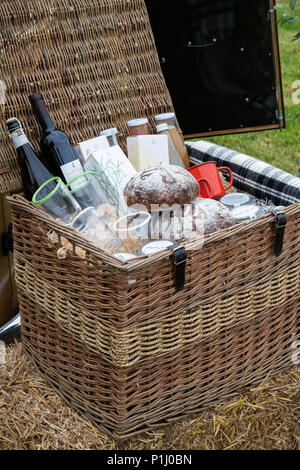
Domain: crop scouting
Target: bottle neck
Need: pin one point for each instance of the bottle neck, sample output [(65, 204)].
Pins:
[(19, 138), (42, 115)]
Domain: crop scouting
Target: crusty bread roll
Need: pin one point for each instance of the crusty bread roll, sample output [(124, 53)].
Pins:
[(201, 217), (161, 184)]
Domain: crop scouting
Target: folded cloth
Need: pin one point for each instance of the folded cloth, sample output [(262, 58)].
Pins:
[(251, 175)]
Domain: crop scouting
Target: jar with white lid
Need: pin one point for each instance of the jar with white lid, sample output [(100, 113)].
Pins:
[(111, 135), (169, 118), (138, 127)]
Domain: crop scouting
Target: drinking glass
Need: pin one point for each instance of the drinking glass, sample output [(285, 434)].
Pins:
[(97, 231), (135, 225), (55, 198), (86, 190)]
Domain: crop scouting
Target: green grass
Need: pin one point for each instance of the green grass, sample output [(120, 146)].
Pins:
[(279, 148)]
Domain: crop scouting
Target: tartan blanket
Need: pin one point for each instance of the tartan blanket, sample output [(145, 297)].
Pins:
[(251, 175)]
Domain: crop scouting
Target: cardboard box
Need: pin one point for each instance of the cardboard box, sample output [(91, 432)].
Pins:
[(84, 149), (113, 171), (148, 150)]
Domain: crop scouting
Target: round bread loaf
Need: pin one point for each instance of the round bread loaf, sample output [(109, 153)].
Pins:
[(161, 184), (201, 217)]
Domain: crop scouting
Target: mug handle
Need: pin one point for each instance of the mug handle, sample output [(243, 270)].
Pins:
[(225, 168), (208, 183)]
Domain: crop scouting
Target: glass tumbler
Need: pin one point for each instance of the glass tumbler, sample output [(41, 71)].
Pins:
[(86, 190), (55, 198)]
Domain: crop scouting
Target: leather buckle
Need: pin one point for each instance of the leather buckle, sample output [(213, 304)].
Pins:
[(179, 258), (280, 223)]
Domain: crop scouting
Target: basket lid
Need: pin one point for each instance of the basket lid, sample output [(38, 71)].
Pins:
[(90, 79)]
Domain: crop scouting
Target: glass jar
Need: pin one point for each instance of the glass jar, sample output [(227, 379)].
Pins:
[(174, 157), (138, 127), (111, 135), (169, 118)]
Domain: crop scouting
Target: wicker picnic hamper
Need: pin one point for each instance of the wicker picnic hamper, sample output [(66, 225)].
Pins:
[(133, 355)]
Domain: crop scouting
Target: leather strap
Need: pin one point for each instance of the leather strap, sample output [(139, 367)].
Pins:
[(179, 260), (281, 222)]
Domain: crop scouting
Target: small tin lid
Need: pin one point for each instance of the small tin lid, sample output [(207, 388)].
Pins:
[(245, 213), (137, 122), (125, 256), (276, 209), (154, 247), (162, 117), (235, 199), (111, 131)]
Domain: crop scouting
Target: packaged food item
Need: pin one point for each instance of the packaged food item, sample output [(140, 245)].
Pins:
[(174, 157), (138, 127), (161, 185), (111, 135), (100, 234), (246, 213), (197, 219), (169, 118), (84, 149), (148, 150), (112, 170)]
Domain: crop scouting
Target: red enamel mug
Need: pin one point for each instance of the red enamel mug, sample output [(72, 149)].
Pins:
[(208, 177)]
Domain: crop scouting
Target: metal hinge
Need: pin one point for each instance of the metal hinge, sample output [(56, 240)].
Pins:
[(271, 14), (279, 114)]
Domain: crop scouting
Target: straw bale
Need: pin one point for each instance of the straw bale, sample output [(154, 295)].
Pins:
[(32, 416)]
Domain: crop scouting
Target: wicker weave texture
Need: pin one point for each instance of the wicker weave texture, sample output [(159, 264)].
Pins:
[(123, 402), (165, 333), (233, 277), (94, 61), (133, 356)]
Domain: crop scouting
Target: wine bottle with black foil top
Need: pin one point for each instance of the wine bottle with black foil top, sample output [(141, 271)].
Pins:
[(56, 147), (33, 172)]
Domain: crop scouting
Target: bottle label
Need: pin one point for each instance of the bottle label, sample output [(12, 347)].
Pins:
[(19, 138), (72, 169)]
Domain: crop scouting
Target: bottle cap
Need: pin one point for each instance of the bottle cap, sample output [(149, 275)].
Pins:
[(162, 127), (12, 125), (162, 117), (35, 97), (137, 122), (111, 131)]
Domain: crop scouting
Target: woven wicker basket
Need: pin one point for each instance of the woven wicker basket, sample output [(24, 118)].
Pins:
[(94, 61), (133, 356)]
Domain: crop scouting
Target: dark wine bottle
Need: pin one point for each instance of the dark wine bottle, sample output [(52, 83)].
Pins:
[(33, 172), (56, 147), (11, 330)]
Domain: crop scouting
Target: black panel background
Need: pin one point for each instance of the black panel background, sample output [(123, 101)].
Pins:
[(222, 85)]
